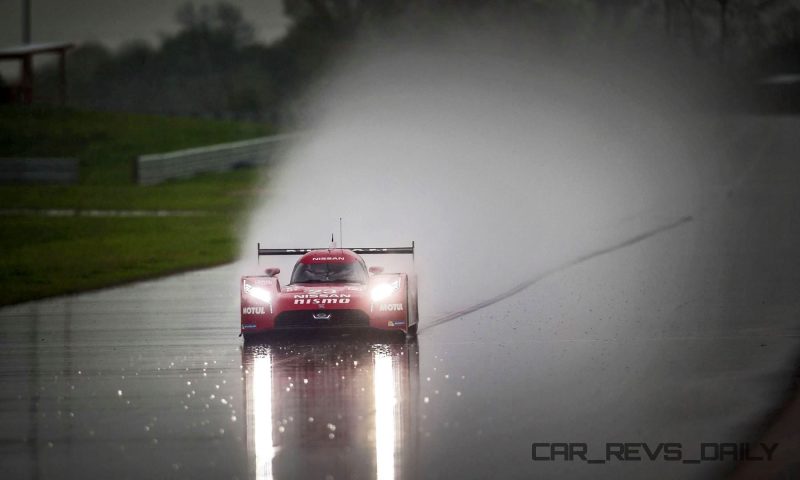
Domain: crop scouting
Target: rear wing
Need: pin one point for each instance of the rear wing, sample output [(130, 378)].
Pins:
[(361, 250)]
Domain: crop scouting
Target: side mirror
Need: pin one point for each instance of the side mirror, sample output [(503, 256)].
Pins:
[(375, 270), (271, 272)]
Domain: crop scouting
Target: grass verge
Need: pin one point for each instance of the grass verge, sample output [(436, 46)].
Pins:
[(42, 256), (107, 143)]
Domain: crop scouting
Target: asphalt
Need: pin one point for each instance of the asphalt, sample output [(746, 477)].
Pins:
[(683, 332)]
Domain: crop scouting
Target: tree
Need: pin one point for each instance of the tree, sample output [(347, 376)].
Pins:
[(343, 16), (222, 19)]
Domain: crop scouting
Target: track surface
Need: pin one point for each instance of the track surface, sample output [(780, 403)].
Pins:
[(687, 335)]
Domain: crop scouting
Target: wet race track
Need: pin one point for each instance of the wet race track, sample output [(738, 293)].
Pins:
[(151, 380)]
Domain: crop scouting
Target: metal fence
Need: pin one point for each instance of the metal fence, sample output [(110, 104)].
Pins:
[(39, 170), (156, 168)]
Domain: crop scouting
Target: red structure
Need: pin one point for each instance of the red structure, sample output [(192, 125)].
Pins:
[(23, 92)]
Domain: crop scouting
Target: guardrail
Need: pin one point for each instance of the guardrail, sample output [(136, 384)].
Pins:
[(39, 170), (156, 168)]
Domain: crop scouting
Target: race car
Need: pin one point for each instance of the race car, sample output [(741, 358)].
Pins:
[(330, 288)]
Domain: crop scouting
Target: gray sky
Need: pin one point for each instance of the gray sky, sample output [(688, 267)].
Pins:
[(116, 21)]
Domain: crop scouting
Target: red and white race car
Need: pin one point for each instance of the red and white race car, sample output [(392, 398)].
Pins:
[(330, 288)]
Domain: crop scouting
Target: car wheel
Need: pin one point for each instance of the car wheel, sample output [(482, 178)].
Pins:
[(412, 330)]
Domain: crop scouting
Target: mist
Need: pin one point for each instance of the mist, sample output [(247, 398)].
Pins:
[(501, 159)]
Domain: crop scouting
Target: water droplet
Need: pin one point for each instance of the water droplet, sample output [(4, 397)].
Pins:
[(119, 393), (426, 399)]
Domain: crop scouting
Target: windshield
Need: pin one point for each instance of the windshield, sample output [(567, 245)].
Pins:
[(329, 272)]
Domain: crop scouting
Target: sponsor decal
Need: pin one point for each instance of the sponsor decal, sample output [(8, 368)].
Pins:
[(321, 296), (322, 291), (327, 259), (390, 307), (318, 301), (253, 310), (322, 316), (248, 325)]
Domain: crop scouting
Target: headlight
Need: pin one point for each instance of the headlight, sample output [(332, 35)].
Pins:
[(258, 293), (384, 290)]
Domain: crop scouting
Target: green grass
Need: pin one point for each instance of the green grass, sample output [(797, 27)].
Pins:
[(108, 143), (44, 256), (208, 192), (74, 254)]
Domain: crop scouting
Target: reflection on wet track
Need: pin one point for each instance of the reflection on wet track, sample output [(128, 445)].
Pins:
[(331, 409)]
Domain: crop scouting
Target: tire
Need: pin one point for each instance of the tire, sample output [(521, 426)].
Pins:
[(256, 338), (412, 330)]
